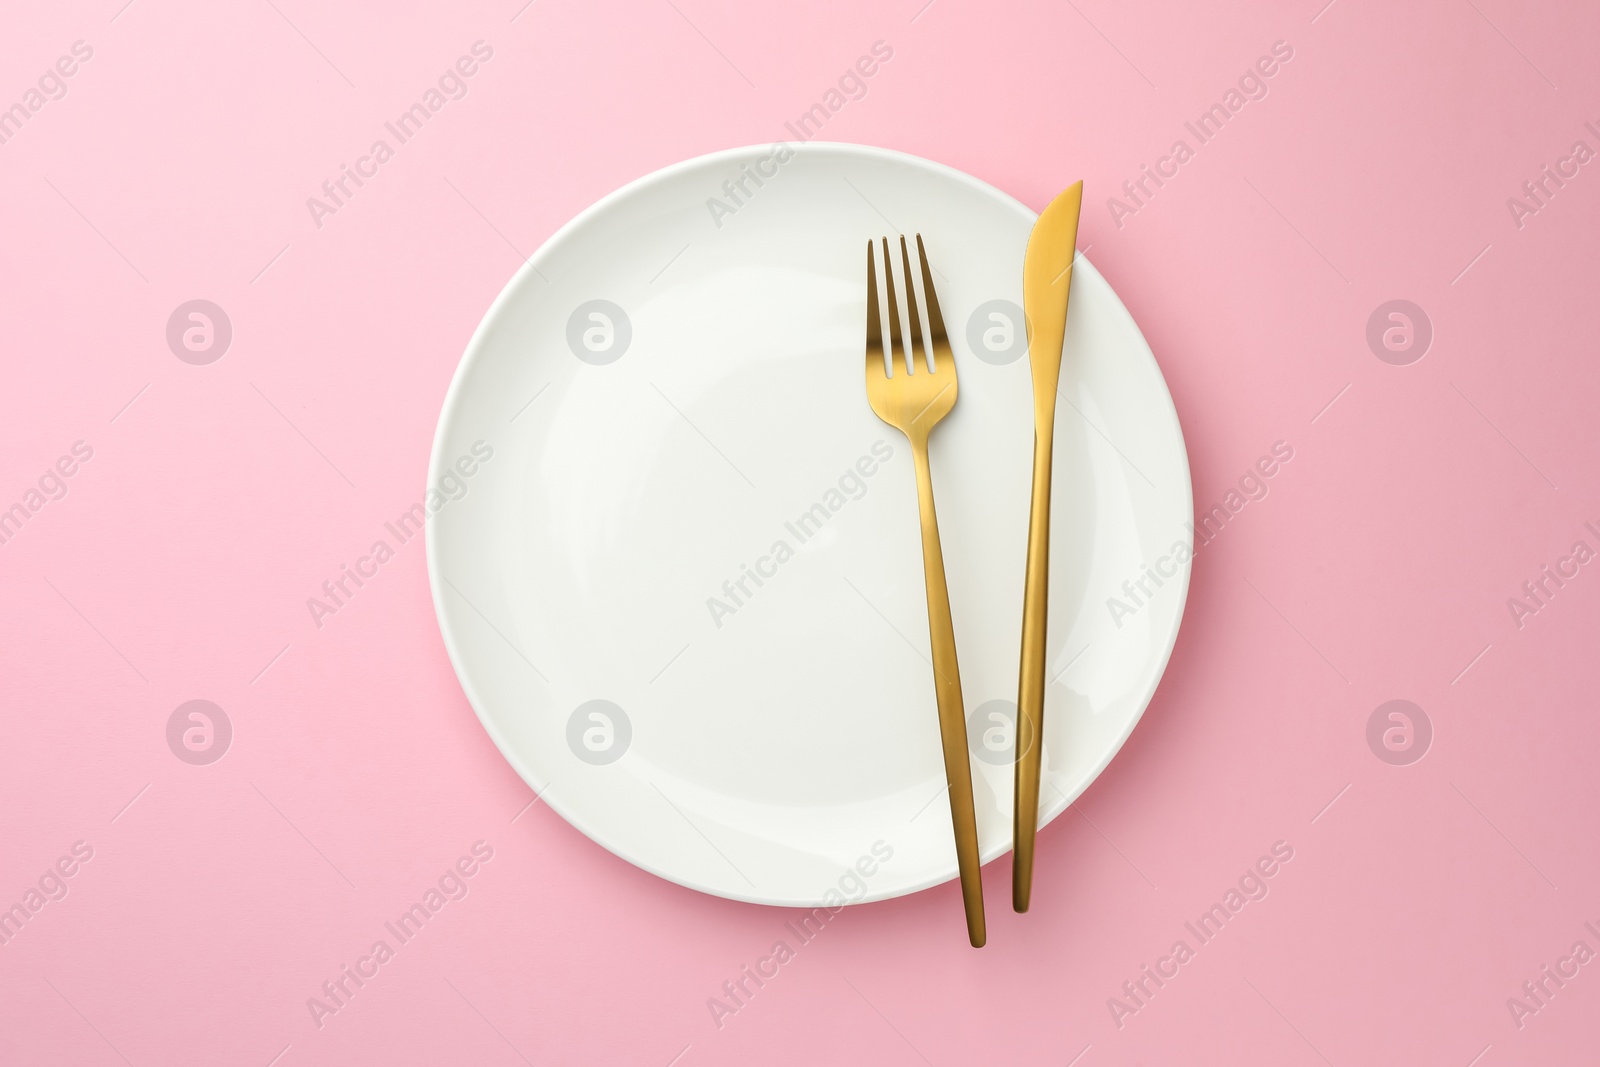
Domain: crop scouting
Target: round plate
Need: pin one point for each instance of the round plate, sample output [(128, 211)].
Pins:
[(675, 556)]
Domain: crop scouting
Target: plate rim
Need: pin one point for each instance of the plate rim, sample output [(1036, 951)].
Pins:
[(437, 460)]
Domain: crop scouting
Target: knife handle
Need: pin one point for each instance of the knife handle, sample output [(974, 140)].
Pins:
[(1031, 682)]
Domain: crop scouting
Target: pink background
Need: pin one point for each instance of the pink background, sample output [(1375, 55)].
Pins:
[(219, 898)]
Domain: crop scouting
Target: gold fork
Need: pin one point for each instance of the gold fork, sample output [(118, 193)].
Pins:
[(913, 396)]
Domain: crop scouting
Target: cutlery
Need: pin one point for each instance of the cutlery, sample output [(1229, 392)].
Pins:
[(912, 395), (1046, 282)]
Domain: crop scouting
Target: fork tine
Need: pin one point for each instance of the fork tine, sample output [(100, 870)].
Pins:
[(912, 312), (874, 323), (894, 312), (935, 320)]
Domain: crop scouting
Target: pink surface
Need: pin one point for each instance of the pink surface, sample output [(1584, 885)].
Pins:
[(217, 899)]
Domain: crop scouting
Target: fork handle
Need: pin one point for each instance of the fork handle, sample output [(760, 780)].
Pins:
[(947, 687), (1030, 684)]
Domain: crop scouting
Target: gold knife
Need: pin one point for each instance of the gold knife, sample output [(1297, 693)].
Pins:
[(1046, 282)]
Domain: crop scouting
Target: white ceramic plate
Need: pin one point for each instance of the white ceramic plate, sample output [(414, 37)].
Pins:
[(650, 408)]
